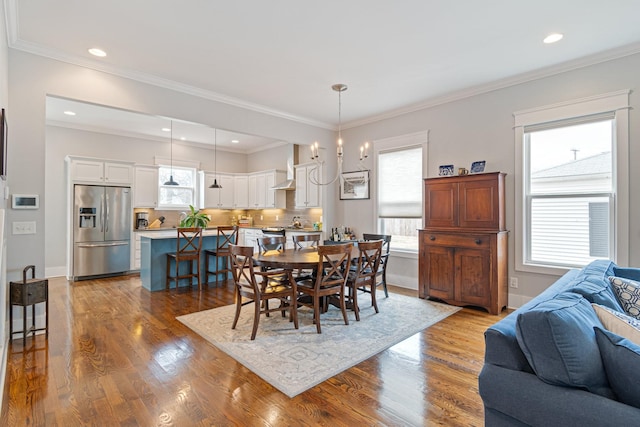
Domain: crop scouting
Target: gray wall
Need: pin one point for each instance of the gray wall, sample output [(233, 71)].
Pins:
[(481, 128)]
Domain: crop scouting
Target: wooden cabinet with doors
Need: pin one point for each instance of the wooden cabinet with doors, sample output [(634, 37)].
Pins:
[(463, 246)]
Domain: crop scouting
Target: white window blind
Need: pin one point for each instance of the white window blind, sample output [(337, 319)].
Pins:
[(400, 183)]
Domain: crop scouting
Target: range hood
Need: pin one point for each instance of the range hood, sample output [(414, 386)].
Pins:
[(292, 159)]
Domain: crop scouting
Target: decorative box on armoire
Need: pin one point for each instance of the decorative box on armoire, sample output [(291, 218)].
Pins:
[(27, 293), (463, 245)]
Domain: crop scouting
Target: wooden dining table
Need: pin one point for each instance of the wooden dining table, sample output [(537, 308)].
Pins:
[(288, 259)]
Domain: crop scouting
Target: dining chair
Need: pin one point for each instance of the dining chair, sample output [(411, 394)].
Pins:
[(331, 280), (384, 260), (271, 243), (247, 286), (364, 274), (301, 241), (227, 235), (188, 245)]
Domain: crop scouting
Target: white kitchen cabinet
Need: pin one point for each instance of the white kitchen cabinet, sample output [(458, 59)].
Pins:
[(99, 171), (136, 252), (249, 237), (261, 194), (145, 187), (217, 198), (241, 187), (307, 193)]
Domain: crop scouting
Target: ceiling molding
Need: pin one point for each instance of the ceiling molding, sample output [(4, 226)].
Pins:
[(502, 83)]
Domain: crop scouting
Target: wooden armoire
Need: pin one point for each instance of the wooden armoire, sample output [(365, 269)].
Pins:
[(463, 245)]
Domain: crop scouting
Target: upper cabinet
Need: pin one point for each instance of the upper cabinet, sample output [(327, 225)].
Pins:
[(217, 198), (261, 193), (145, 190), (241, 186), (85, 170), (307, 193), (468, 202)]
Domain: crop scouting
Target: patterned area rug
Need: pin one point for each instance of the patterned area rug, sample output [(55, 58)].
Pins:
[(295, 360)]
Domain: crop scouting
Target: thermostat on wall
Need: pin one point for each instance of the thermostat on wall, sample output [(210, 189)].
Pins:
[(25, 201)]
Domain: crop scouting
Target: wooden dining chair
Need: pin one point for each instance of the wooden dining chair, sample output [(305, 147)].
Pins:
[(271, 243), (227, 235), (188, 245), (304, 241), (363, 277), (301, 241), (381, 275), (247, 287), (331, 280)]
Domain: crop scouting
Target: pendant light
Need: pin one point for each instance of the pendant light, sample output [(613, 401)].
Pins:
[(215, 160), (171, 181)]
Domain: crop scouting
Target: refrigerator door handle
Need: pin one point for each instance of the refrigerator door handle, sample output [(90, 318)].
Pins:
[(106, 221), (102, 213), (99, 245)]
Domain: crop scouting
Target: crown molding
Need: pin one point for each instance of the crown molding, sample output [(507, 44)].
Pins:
[(564, 67)]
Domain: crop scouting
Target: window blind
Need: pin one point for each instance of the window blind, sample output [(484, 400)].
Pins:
[(400, 183)]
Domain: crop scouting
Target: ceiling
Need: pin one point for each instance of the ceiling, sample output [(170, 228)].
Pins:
[(281, 57)]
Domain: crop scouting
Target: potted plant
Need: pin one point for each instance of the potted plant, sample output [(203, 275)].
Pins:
[(195, 219)]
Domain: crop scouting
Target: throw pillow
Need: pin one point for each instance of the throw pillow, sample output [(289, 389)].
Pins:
[(621, 359), (619, 323), (557, 338), (628, 292), (627, 273)]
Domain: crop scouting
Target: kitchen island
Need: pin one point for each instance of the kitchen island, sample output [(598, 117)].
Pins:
[(154, 246)]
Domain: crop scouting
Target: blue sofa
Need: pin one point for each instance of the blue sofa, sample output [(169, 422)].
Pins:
[(525, 381)]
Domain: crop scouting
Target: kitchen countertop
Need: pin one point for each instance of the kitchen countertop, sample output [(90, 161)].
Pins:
[(171, 233)]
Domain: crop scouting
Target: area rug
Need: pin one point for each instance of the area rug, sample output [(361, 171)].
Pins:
[(295, 360)]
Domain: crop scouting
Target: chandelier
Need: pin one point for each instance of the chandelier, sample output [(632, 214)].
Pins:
[(315, 156)]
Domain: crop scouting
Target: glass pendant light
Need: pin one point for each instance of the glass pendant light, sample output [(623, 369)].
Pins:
[(171, 181), (215, 160)]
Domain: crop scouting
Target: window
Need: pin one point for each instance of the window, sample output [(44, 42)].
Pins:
[(399, 195), (573, 186), (569, 193), (176, 196)]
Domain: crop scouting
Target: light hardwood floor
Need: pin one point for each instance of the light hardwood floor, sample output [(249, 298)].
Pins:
[(116, 356)]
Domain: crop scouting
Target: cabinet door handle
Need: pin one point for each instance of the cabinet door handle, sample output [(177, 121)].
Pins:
[(478, 241), (432, 238)]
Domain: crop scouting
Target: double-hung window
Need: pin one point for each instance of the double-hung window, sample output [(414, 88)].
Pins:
[(571, 161), (176, 196), (399, 189)]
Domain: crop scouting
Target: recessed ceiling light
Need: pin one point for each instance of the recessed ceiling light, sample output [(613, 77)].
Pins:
[(166, 130), (69, 113), (97, 52), (182, 138), (552, 38), (235, 141)]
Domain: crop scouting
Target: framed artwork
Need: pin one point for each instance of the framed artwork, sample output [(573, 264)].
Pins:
[(4, 133), (354, 185)]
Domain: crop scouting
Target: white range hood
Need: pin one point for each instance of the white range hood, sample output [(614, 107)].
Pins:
[(292, 159)]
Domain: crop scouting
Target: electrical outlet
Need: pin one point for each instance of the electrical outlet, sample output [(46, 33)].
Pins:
[(277, 217), (514, 282), (261, 218)]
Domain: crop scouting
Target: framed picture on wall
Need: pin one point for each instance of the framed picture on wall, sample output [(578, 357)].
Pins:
[(354, 185), (4, 134)]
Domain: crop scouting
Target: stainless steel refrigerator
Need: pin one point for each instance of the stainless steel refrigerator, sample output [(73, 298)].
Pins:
[(101, 230)]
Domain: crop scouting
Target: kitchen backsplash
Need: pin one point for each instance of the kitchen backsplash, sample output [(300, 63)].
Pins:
[(261, 217)]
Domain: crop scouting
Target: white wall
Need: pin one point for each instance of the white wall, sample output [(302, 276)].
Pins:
[(32, 78), (481, 128)]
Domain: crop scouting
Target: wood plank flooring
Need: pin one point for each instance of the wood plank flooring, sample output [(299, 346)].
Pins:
[(116, 356)]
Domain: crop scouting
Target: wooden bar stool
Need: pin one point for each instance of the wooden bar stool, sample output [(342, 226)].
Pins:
[(188, 245), (227, 235), (29, 292)]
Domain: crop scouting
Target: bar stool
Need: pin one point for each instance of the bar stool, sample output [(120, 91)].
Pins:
[(188, 244), (227, 235), (29, 292)]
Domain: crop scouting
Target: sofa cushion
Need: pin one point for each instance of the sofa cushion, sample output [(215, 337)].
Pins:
[(627, 273), (558, 340), (621, 359), (592, 282), (628, 292), (619, 323)]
